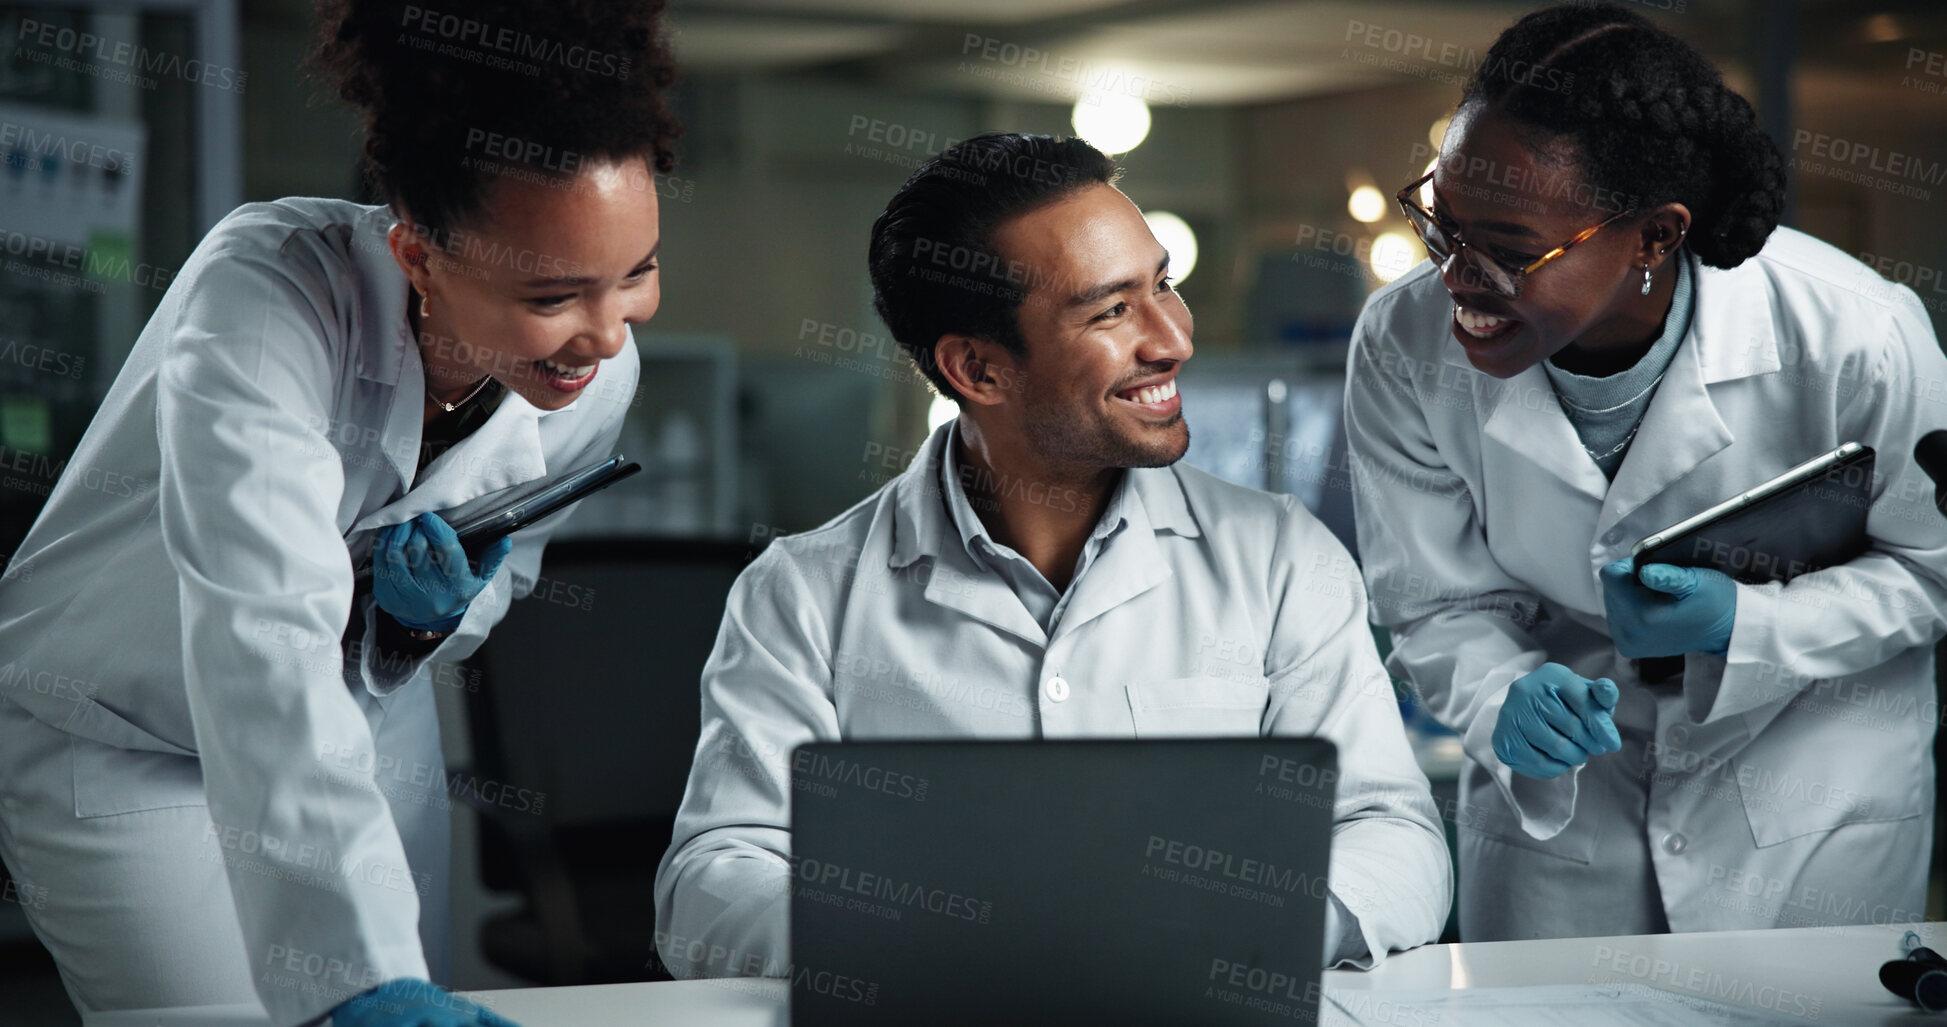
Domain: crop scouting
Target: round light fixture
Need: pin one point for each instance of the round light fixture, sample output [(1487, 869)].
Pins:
[(1177, 238), (1112, 122), (1367, 204), (1392, 255)]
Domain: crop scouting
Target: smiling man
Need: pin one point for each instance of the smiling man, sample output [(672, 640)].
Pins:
[(1043, 569)]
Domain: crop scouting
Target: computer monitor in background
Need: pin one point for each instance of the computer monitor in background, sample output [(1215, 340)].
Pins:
[(1272, 425)]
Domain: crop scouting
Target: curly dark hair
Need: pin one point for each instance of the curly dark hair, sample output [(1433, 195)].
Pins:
[(932, 260), (451, 99), (1646, 116)]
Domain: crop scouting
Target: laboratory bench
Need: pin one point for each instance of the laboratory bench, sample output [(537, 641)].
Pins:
[(1793, 975)]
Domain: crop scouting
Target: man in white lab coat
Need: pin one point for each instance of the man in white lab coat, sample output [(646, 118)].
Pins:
[(1041, 570)]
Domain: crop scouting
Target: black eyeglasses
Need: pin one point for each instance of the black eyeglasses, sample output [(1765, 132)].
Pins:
[(1442, 242)]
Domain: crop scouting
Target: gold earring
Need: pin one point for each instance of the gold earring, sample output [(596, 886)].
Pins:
[(418, 260)]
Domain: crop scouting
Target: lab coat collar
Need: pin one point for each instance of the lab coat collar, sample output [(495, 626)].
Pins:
[(384, 340), (965, 521), (1731, 329), (923, 527), (921, 519), (1125, 566), (1163, 502), (398, 365), (1730, 337), (383, 335), (1524, 415), (1680, 430)]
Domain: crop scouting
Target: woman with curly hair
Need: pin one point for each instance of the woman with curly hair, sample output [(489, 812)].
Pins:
[(1613, 335), (220, 774)]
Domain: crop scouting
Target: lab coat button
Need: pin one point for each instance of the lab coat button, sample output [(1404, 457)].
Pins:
[(1674, 844), (1678, 735), (1611, 537), (1056, 689)]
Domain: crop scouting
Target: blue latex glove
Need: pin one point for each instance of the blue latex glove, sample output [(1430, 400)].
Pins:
[(421, 576), (1668, 610), (411, 1002), (1554, 720)]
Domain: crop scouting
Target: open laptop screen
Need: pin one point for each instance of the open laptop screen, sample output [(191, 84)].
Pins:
[(1104, 881)]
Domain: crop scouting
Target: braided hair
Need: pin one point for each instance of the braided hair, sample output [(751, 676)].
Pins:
[(446, 97), (1646, 116)]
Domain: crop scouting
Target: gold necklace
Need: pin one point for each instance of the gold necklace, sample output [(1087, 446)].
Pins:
[(450, 407), (425, 311)]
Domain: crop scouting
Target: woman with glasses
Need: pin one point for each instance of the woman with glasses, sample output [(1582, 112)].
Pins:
[(1614, 334)]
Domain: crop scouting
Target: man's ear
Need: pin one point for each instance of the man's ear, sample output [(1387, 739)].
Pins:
[(983, 372)]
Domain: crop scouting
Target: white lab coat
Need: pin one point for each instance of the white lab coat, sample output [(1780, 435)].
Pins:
[(1789, 783), (187, 587), (1214, 610)]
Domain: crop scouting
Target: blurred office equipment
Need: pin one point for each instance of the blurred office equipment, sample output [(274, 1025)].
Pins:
[(1309, 297), (582, 728), (1274, 423), (682, 428), (120, 145), (817, 441)]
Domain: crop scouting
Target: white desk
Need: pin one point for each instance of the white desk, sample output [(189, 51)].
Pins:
[(731, 1003), (1823, 975), (1818, 974)]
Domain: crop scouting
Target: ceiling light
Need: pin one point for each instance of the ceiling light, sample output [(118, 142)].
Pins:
[(1112, 122), (1177, 238), (1367, 204), (1392, 255)]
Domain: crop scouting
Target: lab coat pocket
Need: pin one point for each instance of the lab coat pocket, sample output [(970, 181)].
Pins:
[(138, 772), (1784, 800), (1838, 755), (1198, 707), (108, 781)]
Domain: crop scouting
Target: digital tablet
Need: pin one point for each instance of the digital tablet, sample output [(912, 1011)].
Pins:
[(1806, 519), (540, 500), (530, 502)]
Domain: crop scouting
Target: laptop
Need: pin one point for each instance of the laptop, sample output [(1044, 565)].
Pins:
[(1060, 882)]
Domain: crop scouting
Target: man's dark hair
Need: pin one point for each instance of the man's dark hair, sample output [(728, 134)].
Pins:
[(934, 268), (1645, 115)]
